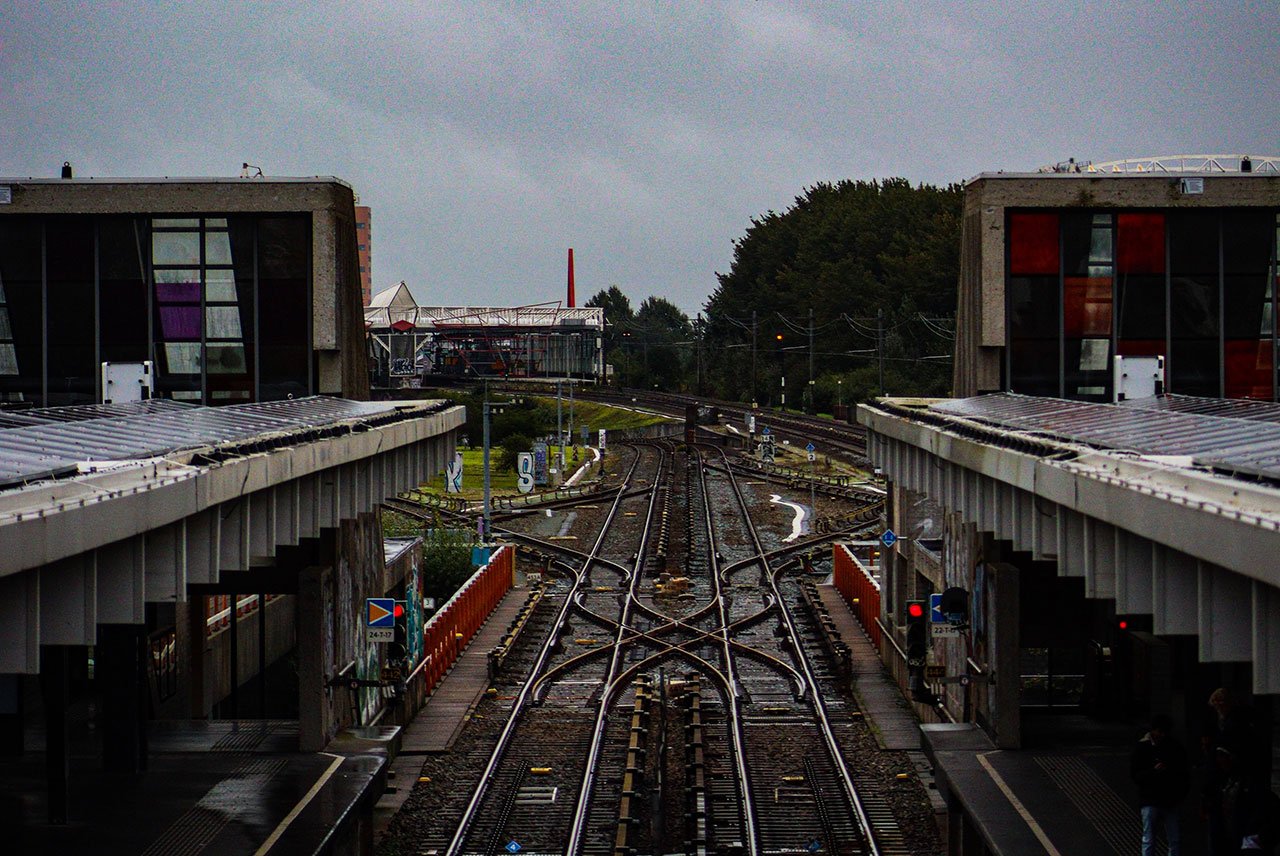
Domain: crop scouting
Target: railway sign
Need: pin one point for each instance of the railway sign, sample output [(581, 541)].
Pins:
[(513, 846), (380, 612), (584, 432), (809, 450), (540, 463), (935, 609), (602, 439), (889, 538), (933, 673), (765, 430)]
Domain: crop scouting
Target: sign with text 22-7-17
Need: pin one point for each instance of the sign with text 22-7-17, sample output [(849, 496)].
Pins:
[(540, 463), (524, 471)]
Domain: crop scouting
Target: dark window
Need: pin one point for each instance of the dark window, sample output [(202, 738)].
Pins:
[(71, 316), (1033, 333), (122, 284), (21, 310), (284, 307), (1194, 317)]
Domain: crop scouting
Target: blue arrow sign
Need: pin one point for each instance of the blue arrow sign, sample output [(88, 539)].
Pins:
[(809, 448), (380, 612), (764, 430), (888, 538), (935, 610), (513, 846)]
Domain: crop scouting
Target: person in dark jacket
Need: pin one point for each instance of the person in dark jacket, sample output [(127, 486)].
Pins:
[(1159, 767)]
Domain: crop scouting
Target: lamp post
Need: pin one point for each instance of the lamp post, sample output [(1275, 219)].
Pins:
[(488, 407)]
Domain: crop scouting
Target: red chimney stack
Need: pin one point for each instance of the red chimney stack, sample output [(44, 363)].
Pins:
[(571, 297)]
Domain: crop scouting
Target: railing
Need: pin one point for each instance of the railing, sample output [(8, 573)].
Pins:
[(457, 622), (218, 610), (859, 590)]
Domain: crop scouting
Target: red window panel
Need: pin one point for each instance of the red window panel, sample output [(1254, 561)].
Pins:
[(1141, 348), (1087, 306), (1248, 368), (1033, 244), (1140, 243)]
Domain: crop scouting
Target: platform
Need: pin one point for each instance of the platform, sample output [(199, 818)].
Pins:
[(887, 713), (1068, 792), (442, 717), (221, 787)]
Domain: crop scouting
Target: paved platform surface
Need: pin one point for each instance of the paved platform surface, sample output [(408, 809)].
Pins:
[(1067, 792), (221, 787), (889, 714), (444, 714)]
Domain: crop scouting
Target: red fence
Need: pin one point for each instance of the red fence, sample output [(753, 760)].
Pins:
[(454, 625), (858, 589)]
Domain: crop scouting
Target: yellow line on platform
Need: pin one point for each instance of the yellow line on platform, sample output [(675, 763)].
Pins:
[(302, 804), (1018, 806)]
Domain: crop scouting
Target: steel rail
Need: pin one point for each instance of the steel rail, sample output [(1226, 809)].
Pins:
[(820, 708), (734, 700), (504, 739), (583, 805)]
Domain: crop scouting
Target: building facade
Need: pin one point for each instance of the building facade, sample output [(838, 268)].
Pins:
[(1060, 273), (235, 290), (364, 249)]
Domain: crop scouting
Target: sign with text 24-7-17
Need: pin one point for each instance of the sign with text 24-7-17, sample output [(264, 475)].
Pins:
[(380, 619)]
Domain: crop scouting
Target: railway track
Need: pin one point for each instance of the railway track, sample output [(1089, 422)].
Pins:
[(680, 698)]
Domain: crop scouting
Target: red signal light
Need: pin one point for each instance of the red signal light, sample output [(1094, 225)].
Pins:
[(915, 610), (1124, 625), (399, 610)]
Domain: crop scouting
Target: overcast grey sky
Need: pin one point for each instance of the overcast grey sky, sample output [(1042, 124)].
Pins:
[(490, 137)]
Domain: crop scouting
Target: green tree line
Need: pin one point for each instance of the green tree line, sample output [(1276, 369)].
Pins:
[(873, 263)]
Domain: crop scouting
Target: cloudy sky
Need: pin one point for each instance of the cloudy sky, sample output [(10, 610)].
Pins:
[(490, 137)]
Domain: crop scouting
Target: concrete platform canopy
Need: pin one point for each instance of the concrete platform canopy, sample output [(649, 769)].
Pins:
[(107, 509), (1169, 507)]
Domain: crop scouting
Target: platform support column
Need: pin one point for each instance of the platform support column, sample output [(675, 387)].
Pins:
[(54, 679), (121, 670)]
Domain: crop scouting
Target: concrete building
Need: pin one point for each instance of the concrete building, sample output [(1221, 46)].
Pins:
[(1061, 272), (234, 290)]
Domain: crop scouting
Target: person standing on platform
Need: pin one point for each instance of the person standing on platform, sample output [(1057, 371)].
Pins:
[(1159, 767)]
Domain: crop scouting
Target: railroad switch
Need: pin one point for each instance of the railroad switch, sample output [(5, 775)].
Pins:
[(540, 771)]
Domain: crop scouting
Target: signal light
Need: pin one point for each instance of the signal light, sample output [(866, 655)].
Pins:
[(399, 611), (1124, 625), (917, 633)]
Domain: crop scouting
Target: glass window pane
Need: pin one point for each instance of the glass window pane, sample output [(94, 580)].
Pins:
[(179, 322), (182, 357), (1033, 244), (175, 248), (220, 285), (178, 286), (211, 222), (217, 248), (171, 222), (222, 322), (6, 333), (8, 359), (1140, 243), (226, 359)]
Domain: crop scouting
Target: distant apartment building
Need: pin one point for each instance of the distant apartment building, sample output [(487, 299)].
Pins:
[(364, 242)]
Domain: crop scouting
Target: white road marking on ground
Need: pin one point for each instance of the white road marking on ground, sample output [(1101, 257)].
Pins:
[(797, 524)]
